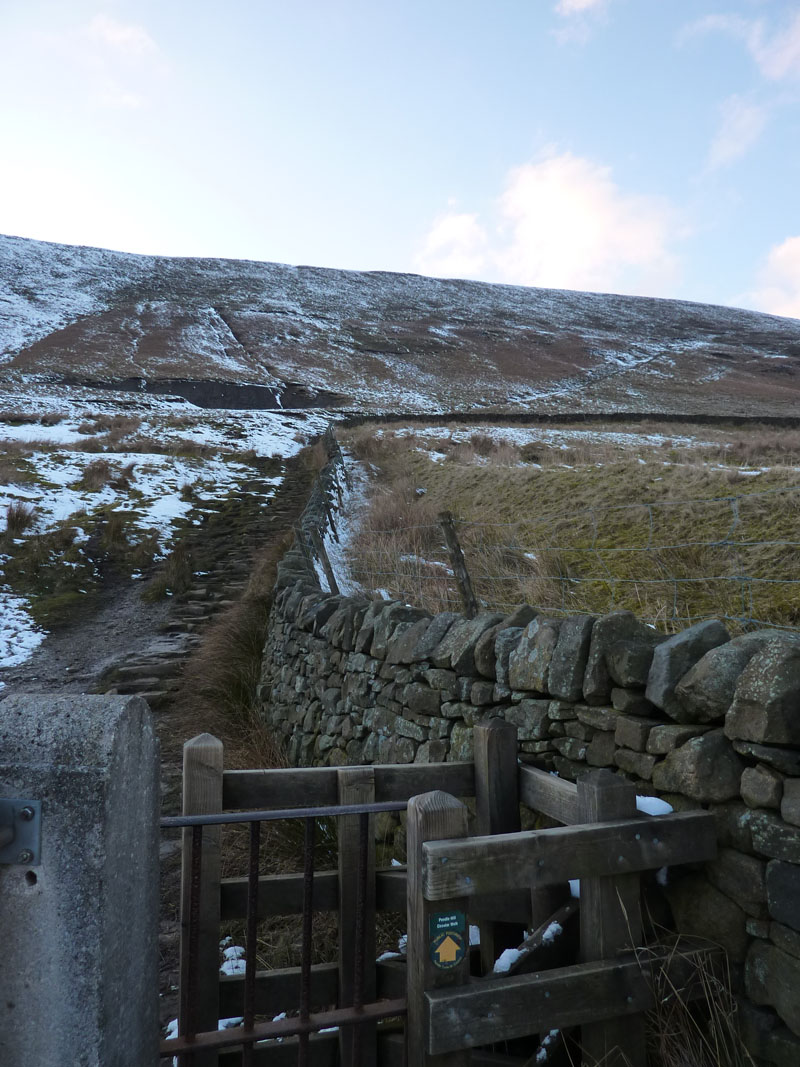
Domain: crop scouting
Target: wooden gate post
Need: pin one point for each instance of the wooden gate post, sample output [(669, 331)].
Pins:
[(356, 785), (202, 795), (611, 922), (497, 811), (432, 817)]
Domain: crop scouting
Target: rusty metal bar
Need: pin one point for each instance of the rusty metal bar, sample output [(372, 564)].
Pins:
[(221, 818), (250, 939), (360, 932), (187, 1026), (383, 1009), (189, 1040), (305, 962)]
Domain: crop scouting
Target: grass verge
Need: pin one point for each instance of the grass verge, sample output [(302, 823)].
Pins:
[(670, 527)]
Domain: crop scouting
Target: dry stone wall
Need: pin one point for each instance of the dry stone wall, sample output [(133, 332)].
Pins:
[(698, 718)]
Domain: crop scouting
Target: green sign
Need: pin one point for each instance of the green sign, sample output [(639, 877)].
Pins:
[(441, 922), (448, 937)]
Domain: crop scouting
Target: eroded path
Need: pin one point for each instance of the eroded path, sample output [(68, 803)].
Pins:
[(127, 645)]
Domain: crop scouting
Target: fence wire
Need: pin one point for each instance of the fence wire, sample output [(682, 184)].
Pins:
[(740, 562)]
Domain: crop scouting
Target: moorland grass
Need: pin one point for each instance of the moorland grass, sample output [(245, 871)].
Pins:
[(666, 530)]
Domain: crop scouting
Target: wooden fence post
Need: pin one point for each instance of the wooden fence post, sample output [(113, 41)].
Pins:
[(611, 922), (303, 543), (438, 933), (322, 556), (202, 795), (497, 811), (331, 520), (356, 785), (459, 564)]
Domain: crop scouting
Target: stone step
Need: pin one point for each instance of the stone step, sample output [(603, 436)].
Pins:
[(162, 668), (141, 685), (193, 607), (156, 698)]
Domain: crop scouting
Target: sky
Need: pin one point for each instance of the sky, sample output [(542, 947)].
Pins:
[(649, 147)]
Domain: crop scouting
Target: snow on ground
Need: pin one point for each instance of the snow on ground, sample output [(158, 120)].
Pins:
[(558, 438), (19, 635), (170, 420), (355, 501), (163, 488), (154, 498)]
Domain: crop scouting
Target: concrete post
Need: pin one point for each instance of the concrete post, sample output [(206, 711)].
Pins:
[(79, 932)]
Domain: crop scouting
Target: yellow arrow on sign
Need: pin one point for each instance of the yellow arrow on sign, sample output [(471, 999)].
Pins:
[(448, 950)]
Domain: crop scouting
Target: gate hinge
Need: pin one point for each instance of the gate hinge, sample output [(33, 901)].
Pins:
[(20, 832)]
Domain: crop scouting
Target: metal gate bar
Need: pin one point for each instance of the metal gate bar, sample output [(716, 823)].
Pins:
[(189, 1040)]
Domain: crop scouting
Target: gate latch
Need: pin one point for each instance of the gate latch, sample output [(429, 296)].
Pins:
[(20, 832)]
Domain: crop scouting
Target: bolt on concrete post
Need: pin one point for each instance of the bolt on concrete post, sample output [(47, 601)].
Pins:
[(79, 964)]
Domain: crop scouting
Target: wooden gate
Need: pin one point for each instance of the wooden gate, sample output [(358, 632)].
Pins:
[(353, 1012)]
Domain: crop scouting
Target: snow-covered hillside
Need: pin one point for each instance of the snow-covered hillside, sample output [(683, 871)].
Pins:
[(380, 341)]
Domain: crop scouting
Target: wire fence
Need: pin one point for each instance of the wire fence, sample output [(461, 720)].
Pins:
[(674, 561)]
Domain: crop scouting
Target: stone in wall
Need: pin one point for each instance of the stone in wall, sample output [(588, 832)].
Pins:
[(463, 658), (773, 977), (343, 625), (456, 650), (772, 837), (702, 910), (707, 689), (742, 878), (664, 739), (783, 892), (761, 787), (632, 702), (529, 662), (632, 640), (705, 768), (315, 610), (674, 657), (784, 760), (571, 654), (766, 706), (485, 652), (790, 801), (395, 619), (434, 635), (404, 643), (505, 643), (531, 719)]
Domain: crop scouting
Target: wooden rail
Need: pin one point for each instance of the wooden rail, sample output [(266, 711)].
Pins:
[(481, 865), (608, 991), (318, 786), (506, 881)]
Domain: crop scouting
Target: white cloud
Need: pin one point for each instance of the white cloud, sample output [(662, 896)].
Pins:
[(125, 38), (778, 289), (742, 124), (776, 52), (577, 7), (560, 222), (105, 62), (454, 247)]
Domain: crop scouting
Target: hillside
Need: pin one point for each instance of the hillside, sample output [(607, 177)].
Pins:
[(304, 336)]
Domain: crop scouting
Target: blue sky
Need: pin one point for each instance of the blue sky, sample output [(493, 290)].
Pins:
[(638, 146)]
